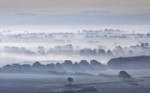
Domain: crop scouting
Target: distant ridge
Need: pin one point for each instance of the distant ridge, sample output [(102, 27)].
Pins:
[(136, 62)]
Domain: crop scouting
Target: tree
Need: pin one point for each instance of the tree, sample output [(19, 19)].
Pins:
[(51, 66), (70, 80), (7, 68), (95, 63), (124, 75), (109, 52), (41, 50), (37, 64), (67, 63), (101, 51), (59, 67), (84, 63)]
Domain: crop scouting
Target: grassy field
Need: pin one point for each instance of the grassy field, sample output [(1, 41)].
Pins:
[(36, 83)]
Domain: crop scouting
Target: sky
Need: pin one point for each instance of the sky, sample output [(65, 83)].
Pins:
[(74, 12)]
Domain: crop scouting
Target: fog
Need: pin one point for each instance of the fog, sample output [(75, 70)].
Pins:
[(35, 83), (25, 46), (40, 59), (72, 28)]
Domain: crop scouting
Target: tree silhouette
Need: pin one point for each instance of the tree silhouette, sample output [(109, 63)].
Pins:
[(124, 75), (70, 80)]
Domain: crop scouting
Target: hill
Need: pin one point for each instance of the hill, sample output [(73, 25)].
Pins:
[(137, 62)]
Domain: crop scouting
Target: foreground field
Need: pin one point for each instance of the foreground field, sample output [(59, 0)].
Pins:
[(35, 83)]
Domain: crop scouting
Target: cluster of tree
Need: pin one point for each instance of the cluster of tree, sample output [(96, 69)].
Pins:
[(93, 52), (140, 49), (143, 49), (137, 62), (21, 50), (144, 45), (66, 49), (67, 66)]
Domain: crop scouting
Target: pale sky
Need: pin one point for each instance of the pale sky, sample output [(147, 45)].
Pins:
[(74, 12)]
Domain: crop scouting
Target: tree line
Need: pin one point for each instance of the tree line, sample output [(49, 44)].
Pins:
[(66, 66)]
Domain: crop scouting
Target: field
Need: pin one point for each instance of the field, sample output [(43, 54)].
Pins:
[(37, 83)]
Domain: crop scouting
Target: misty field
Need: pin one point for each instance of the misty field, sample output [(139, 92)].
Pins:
[(44, 83)]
